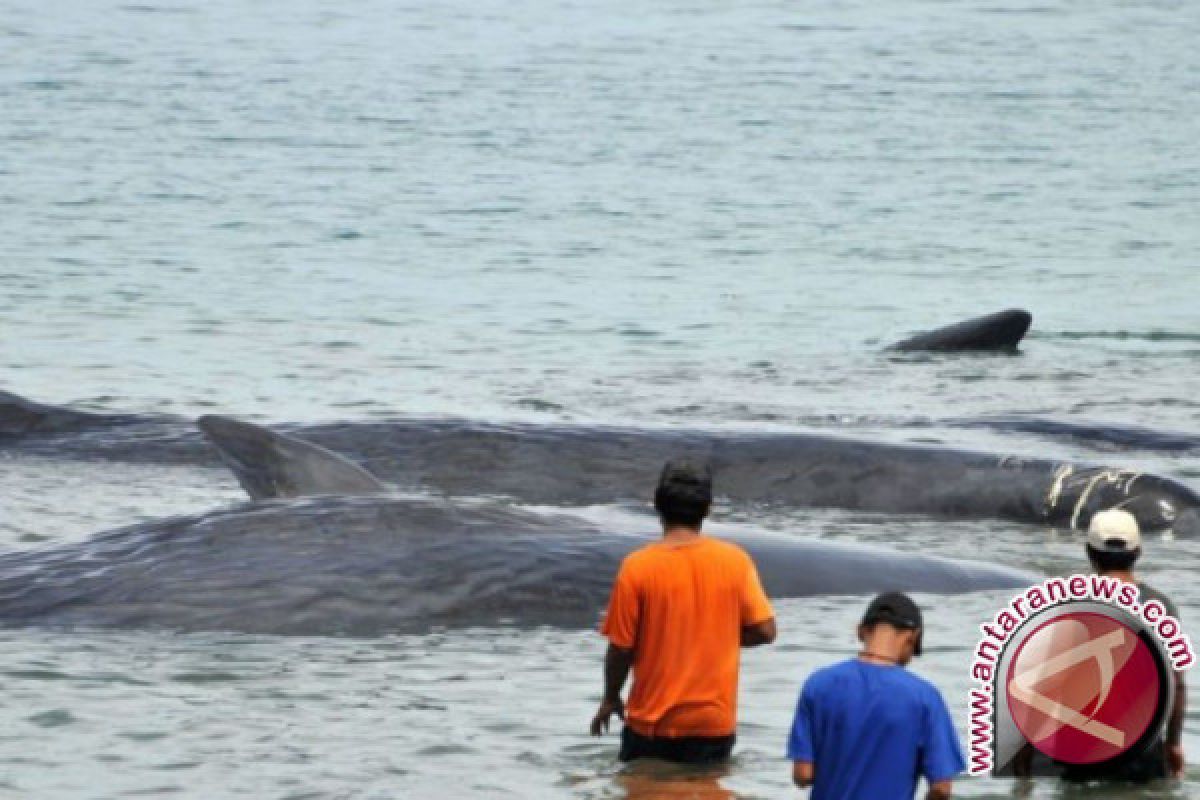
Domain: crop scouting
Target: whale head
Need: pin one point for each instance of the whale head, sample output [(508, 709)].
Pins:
[(1001, 331)]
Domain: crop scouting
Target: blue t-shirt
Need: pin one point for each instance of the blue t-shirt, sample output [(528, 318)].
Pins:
[(870, 730)]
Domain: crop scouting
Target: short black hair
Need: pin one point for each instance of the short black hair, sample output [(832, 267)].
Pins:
[(894, 608), (897, 610), (1108, 560), (684, 493)]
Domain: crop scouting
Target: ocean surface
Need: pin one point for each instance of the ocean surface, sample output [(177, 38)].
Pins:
[(669, 214)]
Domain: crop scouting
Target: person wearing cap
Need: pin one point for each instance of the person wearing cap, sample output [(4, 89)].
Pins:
[(867, 728), (1114, 544), (680, 609)]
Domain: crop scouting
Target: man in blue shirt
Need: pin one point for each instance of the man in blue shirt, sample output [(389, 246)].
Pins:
[(866, 728)]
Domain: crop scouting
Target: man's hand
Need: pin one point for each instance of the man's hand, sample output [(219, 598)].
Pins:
[(758, 633), (1175, 760), (604, 714), (617, 663), (940, 791)]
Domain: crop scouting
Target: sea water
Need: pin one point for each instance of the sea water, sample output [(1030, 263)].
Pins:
[(683, 213)]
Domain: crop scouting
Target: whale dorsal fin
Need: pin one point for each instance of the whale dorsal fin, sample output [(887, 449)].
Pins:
[(269, 464), (1000, 331)]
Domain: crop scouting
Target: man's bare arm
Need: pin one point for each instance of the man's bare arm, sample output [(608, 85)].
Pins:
[(802, 773), (940, 791), (758, 633), (617, 663), (1175, 728)]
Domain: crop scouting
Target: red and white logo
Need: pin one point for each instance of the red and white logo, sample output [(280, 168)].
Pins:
[(1083, 688)]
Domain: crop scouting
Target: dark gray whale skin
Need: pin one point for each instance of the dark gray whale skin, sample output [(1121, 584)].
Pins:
[(20, 417), (565, 465), (373, 565), (1001, 331), (579, 466), (344, 556), (1093, 434)]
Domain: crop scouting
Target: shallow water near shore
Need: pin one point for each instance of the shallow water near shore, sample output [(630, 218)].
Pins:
[(690, 214)]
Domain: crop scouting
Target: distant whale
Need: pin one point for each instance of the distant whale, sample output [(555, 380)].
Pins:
[(20, 417), (370, 562), (1001, 331), (578, 465)]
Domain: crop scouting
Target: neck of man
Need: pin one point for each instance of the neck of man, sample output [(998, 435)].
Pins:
[(883, 646), (1123, 575), (679, 533)]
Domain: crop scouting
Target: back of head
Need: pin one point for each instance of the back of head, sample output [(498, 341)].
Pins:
[(1114, 540), (684, 493), (898, 611)]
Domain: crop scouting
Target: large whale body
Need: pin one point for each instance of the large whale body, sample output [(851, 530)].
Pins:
[(346, 556), (372, 565), (579, 465)]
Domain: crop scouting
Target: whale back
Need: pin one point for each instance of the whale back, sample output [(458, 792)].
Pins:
[(1002, 331), (272, 465), (19, 416), (384, 564)]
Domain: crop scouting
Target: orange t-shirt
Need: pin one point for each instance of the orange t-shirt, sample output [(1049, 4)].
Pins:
[(681, 608)]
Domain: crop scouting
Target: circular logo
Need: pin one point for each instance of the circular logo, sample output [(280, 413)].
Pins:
[(1083, 688)]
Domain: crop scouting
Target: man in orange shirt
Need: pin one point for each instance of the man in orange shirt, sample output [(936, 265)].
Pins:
[(680, 609)]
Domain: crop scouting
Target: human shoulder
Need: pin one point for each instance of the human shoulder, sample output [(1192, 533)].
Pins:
[(922, 683), (727, 549), (903, 683), (930, 696), (639, 558), (1148, 592), (827, 677), (651, 557)]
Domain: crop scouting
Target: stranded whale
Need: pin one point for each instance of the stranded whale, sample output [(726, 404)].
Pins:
[(382, 564), (378, 563), (580, 465)]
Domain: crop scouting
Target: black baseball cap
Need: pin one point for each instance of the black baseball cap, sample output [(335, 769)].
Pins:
[(898, 610)]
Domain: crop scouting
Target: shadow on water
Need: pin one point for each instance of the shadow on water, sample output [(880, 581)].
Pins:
[(650, 779), (1054, 790), (656, 780)]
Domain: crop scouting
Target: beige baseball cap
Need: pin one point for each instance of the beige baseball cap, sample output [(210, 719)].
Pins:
[(1114, 531)]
